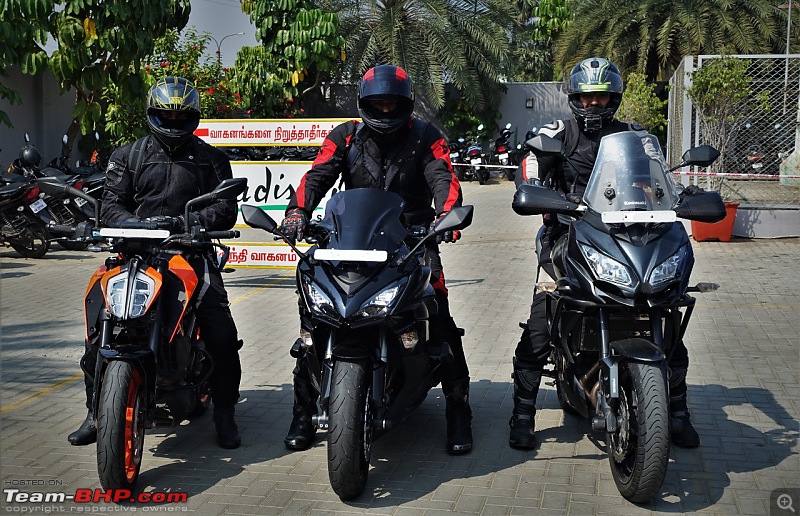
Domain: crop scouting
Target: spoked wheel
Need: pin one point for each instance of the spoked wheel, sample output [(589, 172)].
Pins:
[(32, 242), (350, 428), (121, 425), (639, 450)]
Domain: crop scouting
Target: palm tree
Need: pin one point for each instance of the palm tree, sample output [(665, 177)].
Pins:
[(652, 36), (462, 42)]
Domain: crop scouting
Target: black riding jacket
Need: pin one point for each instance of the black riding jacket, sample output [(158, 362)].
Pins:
[(572, 173), (166, 182), (414, 163)]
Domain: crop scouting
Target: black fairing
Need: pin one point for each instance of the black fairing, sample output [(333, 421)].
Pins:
[(640, 247)]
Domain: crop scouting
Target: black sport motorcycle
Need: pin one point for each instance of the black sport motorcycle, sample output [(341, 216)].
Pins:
[(20, 226), (366, 304), (615, 309)]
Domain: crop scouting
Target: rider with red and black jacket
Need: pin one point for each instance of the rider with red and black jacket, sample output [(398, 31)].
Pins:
[(393, 151)]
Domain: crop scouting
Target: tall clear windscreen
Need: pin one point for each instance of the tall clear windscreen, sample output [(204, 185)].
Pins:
[(630, 174)]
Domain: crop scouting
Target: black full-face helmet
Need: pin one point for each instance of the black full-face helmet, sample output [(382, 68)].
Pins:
[(386, 82), (594, 75), (29, 156), (173, 110)]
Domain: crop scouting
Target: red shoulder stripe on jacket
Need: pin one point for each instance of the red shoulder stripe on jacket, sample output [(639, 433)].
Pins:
[(441, 151)]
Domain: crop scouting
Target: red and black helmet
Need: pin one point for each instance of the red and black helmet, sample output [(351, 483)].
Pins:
[(386, 82)]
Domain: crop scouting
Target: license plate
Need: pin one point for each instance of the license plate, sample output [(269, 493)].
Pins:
[(453, 155), (757, 165), (38, 205), (79, 201), (475, 161), (503, 155)]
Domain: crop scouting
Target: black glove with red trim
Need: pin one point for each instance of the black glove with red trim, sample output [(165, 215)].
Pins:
[(447, 236), (294, 224)]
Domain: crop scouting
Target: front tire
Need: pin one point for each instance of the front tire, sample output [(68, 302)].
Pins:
[(121, 425), (639, 450), (350, 428)]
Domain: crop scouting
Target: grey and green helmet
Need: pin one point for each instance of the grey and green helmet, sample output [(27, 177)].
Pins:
[(594, 75), (173, 110)]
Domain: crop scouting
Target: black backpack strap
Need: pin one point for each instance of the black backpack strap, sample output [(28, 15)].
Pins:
[(136, 157), (353, 150)]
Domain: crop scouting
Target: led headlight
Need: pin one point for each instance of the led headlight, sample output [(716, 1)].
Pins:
[(605, 268), (129, 299), (669, 269), (379, 304), (317, 300)]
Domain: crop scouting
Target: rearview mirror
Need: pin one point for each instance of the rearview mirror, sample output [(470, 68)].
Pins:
[(256, 218), (542, 144), (457, 218)]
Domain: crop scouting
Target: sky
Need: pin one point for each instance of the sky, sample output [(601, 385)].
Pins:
[(220, 18)]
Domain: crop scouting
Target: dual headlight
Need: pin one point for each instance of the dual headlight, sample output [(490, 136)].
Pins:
[(128, 298), (608, 269), (320, 303)]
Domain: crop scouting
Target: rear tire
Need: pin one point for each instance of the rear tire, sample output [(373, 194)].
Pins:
[(350, 428), (121, 425), (639, 450), (33, 242)]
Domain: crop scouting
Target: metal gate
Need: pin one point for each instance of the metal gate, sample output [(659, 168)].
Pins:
[(757, 154)]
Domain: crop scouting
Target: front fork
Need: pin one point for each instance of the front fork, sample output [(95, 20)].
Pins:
[(605, 418)]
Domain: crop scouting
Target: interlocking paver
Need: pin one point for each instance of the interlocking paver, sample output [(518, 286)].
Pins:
[(744, 393)]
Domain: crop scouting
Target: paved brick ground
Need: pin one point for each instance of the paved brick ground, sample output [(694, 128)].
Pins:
[(744, 387)]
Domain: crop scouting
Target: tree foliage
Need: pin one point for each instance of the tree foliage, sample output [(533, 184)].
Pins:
[(462, 42), (98, 43), (532, 39), (301, 45), (652, 36), (640, 104)]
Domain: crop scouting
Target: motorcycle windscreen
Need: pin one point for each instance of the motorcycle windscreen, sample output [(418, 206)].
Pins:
[(630, 174), (364, 219)]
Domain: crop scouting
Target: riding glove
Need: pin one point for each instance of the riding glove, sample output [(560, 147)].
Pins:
[(447, 236), (294, 224)]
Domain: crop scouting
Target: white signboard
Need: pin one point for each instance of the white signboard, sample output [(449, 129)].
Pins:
[(262, 255), (270, 133)]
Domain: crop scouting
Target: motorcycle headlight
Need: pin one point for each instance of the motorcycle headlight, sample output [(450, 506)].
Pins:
[(379, 304), (605, 268), (669, 269), (317, 300), (128, 298)]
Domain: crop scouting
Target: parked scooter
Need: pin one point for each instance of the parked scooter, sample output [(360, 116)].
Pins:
[(614, 311), (153, 367), (366, 302)]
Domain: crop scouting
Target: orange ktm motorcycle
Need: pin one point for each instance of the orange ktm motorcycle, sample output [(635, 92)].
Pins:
[(153, 367)]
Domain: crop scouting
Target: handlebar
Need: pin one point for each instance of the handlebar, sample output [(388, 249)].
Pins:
[(140, 224), (219, 235)]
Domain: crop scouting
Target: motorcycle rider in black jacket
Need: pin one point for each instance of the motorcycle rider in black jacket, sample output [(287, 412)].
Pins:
[(595, 93), (391, 150), (153, 179)]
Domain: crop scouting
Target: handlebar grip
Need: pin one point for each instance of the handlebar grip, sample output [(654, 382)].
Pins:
[(137, 224), (214, 235)]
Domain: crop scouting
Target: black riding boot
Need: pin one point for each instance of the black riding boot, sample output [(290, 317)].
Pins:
[(684, 434), (227, 432), (459, 416), (86, 433), (526, 387), (302, 430)]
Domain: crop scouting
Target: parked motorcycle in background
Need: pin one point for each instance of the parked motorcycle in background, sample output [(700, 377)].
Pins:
[(456, 158), (475, 158), (503, 154), (365, 326), (20, 226), (615, 309)]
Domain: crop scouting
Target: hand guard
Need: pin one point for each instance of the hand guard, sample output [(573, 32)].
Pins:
[(447, 236), (692, 190), (294, 224)]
